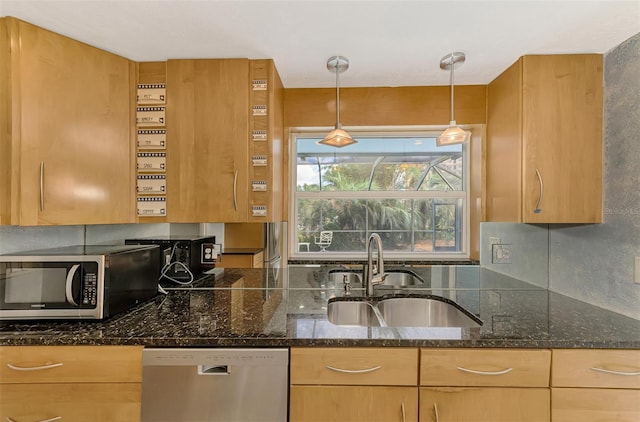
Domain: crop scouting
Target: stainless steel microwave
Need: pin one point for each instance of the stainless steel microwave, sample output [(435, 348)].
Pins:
[(77, 282)]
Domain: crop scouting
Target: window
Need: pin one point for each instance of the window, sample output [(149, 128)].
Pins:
[(397, 184)]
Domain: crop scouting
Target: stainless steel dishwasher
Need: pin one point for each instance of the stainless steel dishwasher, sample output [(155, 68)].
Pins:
[(214, 385)]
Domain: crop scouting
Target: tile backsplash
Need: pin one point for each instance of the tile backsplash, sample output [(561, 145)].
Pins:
[(16, 239)]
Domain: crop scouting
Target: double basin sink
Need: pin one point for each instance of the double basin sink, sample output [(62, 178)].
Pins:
[(396, 310)]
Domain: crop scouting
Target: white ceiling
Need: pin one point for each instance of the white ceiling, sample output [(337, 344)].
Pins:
[(388, 42)]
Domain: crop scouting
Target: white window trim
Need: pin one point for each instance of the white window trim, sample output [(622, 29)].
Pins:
[(364, 131)]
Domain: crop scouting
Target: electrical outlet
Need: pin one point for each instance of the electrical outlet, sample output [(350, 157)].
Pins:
[(494, 240), (501, 254), (209, 253), (636, 271)]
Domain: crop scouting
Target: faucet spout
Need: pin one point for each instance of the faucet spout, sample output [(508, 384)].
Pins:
[(374, 275)]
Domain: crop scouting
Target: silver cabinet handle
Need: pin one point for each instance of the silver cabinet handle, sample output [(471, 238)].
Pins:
[(235, 190), (41, 186), (404, 415), (435, 411), (55, 418), (354, 371), (33, 368), (607, 371), (472, 371), (538, 210)]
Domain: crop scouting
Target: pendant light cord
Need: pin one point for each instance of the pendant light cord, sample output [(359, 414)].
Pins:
[(338, 125), (452, 67)]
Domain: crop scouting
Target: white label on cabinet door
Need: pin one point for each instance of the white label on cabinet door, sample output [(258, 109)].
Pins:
[(259, 211), (259, 160), (259, 110), (152, 138), (151, 183), (151, 94), (152, 206), (259, 135), (259, 84), (150, 116), (152, 161), (259, 186)]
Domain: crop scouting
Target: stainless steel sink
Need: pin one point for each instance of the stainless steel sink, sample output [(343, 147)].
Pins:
[(394, 278), (400, 311), (431, 311), (402, 279), (353, 312)]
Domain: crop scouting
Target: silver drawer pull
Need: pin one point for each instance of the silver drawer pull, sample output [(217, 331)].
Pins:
[(56, 418), (354, 371), (472, 371), (33, 368), (607, 371), (404, 414)]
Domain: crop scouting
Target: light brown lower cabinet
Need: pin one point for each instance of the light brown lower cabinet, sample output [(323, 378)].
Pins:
[(70, 383), (70, 402), (596, 385), (595, 405), (353, 384), (353, 403), (458, 404)]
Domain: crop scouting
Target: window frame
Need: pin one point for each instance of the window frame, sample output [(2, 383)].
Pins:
[(374, 131)]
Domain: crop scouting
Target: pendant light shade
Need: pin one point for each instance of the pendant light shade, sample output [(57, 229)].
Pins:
[(338, 137), (454, 134)]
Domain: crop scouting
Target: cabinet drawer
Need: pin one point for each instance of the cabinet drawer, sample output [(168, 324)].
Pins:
[(354, 366), (594, 405), (70, 402), (596, 368), (59, 364), (504, 368)]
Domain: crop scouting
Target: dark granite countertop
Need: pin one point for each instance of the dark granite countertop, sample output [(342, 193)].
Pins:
[(243, 308)]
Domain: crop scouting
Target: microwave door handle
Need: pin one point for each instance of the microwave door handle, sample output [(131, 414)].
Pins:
[(69, 285)]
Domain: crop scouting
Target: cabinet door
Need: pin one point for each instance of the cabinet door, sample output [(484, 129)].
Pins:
[(504, 146), (484, 404), (72, 127), (595, 405), (562, 138), (207, 140), (353, 403), (70, 402)]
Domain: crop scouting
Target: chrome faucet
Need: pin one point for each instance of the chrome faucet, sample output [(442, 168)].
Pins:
[(374, 275)]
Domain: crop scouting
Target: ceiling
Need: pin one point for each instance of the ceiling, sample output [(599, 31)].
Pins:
[(388, 42)]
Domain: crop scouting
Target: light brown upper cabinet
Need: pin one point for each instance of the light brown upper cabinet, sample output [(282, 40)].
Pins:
[(544, 141), (65, 130), (266, 141), (207, 140)]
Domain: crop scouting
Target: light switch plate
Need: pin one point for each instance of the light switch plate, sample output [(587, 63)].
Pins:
[(636, 271), (501, 254)]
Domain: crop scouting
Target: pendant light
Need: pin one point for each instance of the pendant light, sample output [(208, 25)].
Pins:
[(454, 134), (338, 137)]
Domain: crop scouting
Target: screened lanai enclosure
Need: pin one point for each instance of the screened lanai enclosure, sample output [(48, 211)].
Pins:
[(405, 188)]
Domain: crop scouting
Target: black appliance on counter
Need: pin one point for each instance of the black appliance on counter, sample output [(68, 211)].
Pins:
[(182, 258), (76, 282)]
